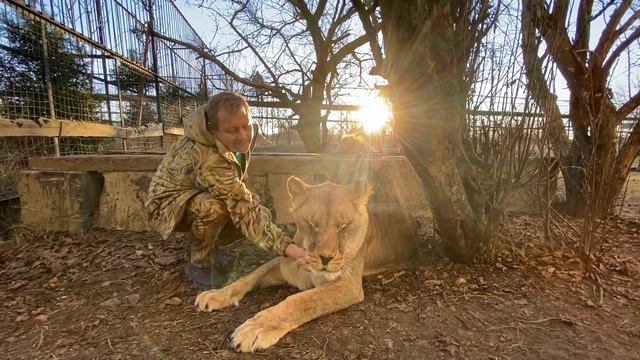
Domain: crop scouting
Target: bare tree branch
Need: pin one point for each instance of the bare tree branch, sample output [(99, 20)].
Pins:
[(555, 34), (250, 45), (346, 50), (583, 29), (610, 33), (282, 94), (341, 18), (603, 10), (628, 107), (538, 86), (615, 54), (313, 26), (372, 34)]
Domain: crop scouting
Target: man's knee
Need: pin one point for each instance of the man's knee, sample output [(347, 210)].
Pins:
[(205, 207), (206, 215)]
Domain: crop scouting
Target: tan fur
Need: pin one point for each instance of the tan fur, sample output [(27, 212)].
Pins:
[(332, 222)]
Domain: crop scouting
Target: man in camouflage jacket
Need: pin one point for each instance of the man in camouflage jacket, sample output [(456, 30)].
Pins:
[(199, 187)]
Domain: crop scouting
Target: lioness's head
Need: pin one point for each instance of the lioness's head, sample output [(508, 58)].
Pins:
[(331, 222)]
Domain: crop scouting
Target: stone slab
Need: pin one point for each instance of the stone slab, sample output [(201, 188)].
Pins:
[(125, 180), (59, 201), (122, 201), (99, 163)]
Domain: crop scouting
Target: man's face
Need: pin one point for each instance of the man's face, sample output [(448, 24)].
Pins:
[(234, 130)]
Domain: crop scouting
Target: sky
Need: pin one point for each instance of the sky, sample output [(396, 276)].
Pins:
[(203, 24)]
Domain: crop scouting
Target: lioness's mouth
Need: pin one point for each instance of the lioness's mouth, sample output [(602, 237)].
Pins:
[(326, 270)]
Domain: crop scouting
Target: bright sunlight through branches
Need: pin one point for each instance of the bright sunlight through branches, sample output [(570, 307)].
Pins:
[(374, 114)]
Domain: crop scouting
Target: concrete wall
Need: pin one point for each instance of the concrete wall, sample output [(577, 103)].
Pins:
[(74, 193)]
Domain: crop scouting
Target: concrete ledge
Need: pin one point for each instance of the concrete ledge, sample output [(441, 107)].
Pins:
[(99, 163), (115, 186)]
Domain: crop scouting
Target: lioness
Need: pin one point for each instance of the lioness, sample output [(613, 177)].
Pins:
[(344, 241)]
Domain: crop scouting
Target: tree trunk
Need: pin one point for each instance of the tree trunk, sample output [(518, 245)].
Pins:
[(591, 177), (308, 126), (593, 170), (426, 89), (310, 134)]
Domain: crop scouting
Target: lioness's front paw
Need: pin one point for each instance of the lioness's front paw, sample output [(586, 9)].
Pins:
[(215, 300), (256, 333)]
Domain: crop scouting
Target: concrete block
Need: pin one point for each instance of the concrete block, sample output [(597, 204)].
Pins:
[(108, 191), (122, 201), (100, 163), (59, 201)]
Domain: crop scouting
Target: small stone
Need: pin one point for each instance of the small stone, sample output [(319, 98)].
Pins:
[(165, 260), (110, 302), (133, 299), (42, 317), (461, 281), (389, 343), (105, 284), (522, 301), (173, 301), (433, 282), (38, 311), (52, 283), (56, 267)]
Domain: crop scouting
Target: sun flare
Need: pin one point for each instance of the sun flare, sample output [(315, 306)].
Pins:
[(374, 114)]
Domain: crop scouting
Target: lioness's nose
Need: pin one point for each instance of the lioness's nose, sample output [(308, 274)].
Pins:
[(325, 259)]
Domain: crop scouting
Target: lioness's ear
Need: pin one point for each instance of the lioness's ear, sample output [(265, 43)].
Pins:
[(296, 187), (363, 190)]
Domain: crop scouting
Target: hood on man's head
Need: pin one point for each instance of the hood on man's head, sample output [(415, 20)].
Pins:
[(195, 127)]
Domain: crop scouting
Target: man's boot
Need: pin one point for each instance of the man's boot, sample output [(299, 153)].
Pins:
[(202, 267), (206, 278), (209, 267)]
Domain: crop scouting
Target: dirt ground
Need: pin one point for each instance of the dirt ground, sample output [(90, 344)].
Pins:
[(123, 295)]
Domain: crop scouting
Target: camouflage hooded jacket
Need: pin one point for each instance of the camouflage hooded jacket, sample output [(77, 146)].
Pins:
[(199, 162)]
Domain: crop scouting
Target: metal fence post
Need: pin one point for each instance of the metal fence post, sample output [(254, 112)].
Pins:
[(47, 76), (154, 56), (101, 37)]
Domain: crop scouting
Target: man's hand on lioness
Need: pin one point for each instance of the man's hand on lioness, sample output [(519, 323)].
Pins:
[(299, 254)]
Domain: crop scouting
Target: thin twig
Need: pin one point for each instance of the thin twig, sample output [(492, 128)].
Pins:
[(41, 340)]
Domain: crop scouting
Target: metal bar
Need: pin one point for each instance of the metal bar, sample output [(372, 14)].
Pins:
[(104, 62), (154, 52)]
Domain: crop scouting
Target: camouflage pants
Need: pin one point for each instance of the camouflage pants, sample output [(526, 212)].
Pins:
[(210, 225)]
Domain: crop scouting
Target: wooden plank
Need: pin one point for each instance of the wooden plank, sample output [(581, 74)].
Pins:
[(87, 129), (151, 130), (174, 131), (69, 128), (26, 127)]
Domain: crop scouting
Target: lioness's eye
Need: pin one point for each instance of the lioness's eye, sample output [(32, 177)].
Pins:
[(311, 224), (344, 226)]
